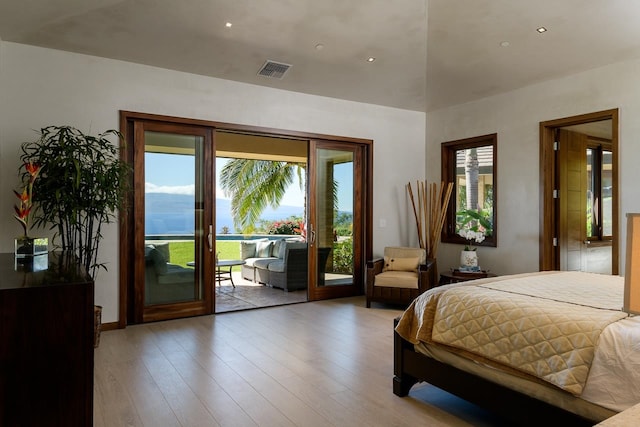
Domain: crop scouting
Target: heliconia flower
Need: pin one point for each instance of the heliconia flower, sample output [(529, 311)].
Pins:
[(23, 209), (22, 213), (24, 196), (32, 168)]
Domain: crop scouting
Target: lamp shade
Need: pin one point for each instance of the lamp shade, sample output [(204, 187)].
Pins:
[(632, 265)]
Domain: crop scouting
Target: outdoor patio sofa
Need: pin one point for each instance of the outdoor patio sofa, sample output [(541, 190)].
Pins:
[(166, 282), (279, 263)]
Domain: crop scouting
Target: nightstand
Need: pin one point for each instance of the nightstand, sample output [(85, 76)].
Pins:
[(456, 276)]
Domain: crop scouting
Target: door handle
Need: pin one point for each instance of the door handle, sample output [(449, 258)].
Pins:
[(312, 234), (587, 242), (210, 238)]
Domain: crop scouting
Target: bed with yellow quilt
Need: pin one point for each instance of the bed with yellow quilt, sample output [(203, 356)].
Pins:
[(536, 347)]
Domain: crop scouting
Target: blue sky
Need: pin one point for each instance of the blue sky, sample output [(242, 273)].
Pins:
[(182, 170)]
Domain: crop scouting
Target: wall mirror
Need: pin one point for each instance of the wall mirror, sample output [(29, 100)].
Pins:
[(470, 164)]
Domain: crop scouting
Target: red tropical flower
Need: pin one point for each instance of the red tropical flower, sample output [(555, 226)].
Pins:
[(33, 169), (23, 209)]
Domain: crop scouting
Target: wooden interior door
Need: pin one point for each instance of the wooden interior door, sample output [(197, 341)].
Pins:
[(563, 230), (572, 170)]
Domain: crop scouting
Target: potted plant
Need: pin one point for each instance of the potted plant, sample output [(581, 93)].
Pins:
[(474, 226), (82, 184)]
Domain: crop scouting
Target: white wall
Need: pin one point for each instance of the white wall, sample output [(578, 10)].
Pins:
[(515, 117), (41, 87)]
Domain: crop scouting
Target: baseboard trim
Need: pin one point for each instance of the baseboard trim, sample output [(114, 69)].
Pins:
[(109, 326)]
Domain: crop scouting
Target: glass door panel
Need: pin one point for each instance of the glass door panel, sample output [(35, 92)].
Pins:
[(607, 193), (175, 222), (335, 220), (173, 192)]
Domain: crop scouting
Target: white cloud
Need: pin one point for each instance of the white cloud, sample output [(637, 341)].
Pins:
[(172, 189)]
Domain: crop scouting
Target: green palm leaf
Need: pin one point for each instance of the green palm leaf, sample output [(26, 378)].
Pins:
[(253, 185)]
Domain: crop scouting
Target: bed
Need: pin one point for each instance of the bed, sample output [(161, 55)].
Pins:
[(536, 347)]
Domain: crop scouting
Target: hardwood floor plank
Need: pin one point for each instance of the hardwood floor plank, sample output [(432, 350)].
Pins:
[(186, 406), (151, 408), (326, 363), (219, 403), (242, 392)]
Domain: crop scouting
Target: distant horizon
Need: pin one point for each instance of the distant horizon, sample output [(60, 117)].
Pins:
[(181, 179), (170, 196), (169, 213)]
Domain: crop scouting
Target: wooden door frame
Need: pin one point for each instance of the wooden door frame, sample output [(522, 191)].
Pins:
[(128, 221), (548, 253), (136, 312), (337, 291)]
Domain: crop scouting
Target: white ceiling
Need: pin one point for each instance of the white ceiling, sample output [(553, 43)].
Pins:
[(425, 60)]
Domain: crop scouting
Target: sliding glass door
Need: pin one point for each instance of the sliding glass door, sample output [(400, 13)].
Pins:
[(335, 228), (168, 234), (174, 241)]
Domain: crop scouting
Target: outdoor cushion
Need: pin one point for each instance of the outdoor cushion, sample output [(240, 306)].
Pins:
[(250, 261), (159, 261), (278, 248), (147, 251), (248, 248), (263, 249), (176, 274), (277, 266), (163, 248), (263, 263)]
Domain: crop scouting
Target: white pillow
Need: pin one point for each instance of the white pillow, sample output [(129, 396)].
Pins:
[(263, 249), (247, 249)]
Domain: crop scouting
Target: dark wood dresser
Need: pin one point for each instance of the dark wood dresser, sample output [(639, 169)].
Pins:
[(46, 343)]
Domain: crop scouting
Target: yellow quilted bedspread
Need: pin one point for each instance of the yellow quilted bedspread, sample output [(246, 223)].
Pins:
[(543, 324)]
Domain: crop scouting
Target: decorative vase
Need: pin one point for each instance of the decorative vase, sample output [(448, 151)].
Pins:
[(468, 260), (29, 246)]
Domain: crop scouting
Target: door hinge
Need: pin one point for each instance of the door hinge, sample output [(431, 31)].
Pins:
[(555, 145), (555, 241), (555, 194)]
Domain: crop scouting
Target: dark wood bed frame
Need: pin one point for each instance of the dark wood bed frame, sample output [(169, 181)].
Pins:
[(411, 367)]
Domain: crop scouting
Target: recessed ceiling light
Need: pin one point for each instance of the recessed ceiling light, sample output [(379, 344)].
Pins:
[(228, 24), (505, 44), (371, 59), (541, 30)]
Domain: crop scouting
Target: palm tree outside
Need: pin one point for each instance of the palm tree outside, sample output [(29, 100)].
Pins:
[(254, 185)]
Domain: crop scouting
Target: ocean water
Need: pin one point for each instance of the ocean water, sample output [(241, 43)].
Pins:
[(167, 213)]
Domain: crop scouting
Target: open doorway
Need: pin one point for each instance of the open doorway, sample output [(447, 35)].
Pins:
[(266, 225), (579, 193), (259, 220)]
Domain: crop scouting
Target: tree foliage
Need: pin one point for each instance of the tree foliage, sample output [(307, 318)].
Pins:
[(253, 185)]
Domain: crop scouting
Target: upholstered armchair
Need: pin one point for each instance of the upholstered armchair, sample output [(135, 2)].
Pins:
[(400, 277)]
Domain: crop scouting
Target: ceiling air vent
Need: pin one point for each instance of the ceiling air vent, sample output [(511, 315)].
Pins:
[(274, 69)]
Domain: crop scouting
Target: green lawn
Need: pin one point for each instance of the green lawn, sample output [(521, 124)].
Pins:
[(183, 252)]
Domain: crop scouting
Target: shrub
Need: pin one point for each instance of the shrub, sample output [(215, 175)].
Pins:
[(343, 257)]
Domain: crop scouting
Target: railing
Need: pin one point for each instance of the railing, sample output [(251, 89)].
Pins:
[(222, 237)]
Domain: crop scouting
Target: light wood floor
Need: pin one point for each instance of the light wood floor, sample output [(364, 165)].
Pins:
[(326, 363)]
